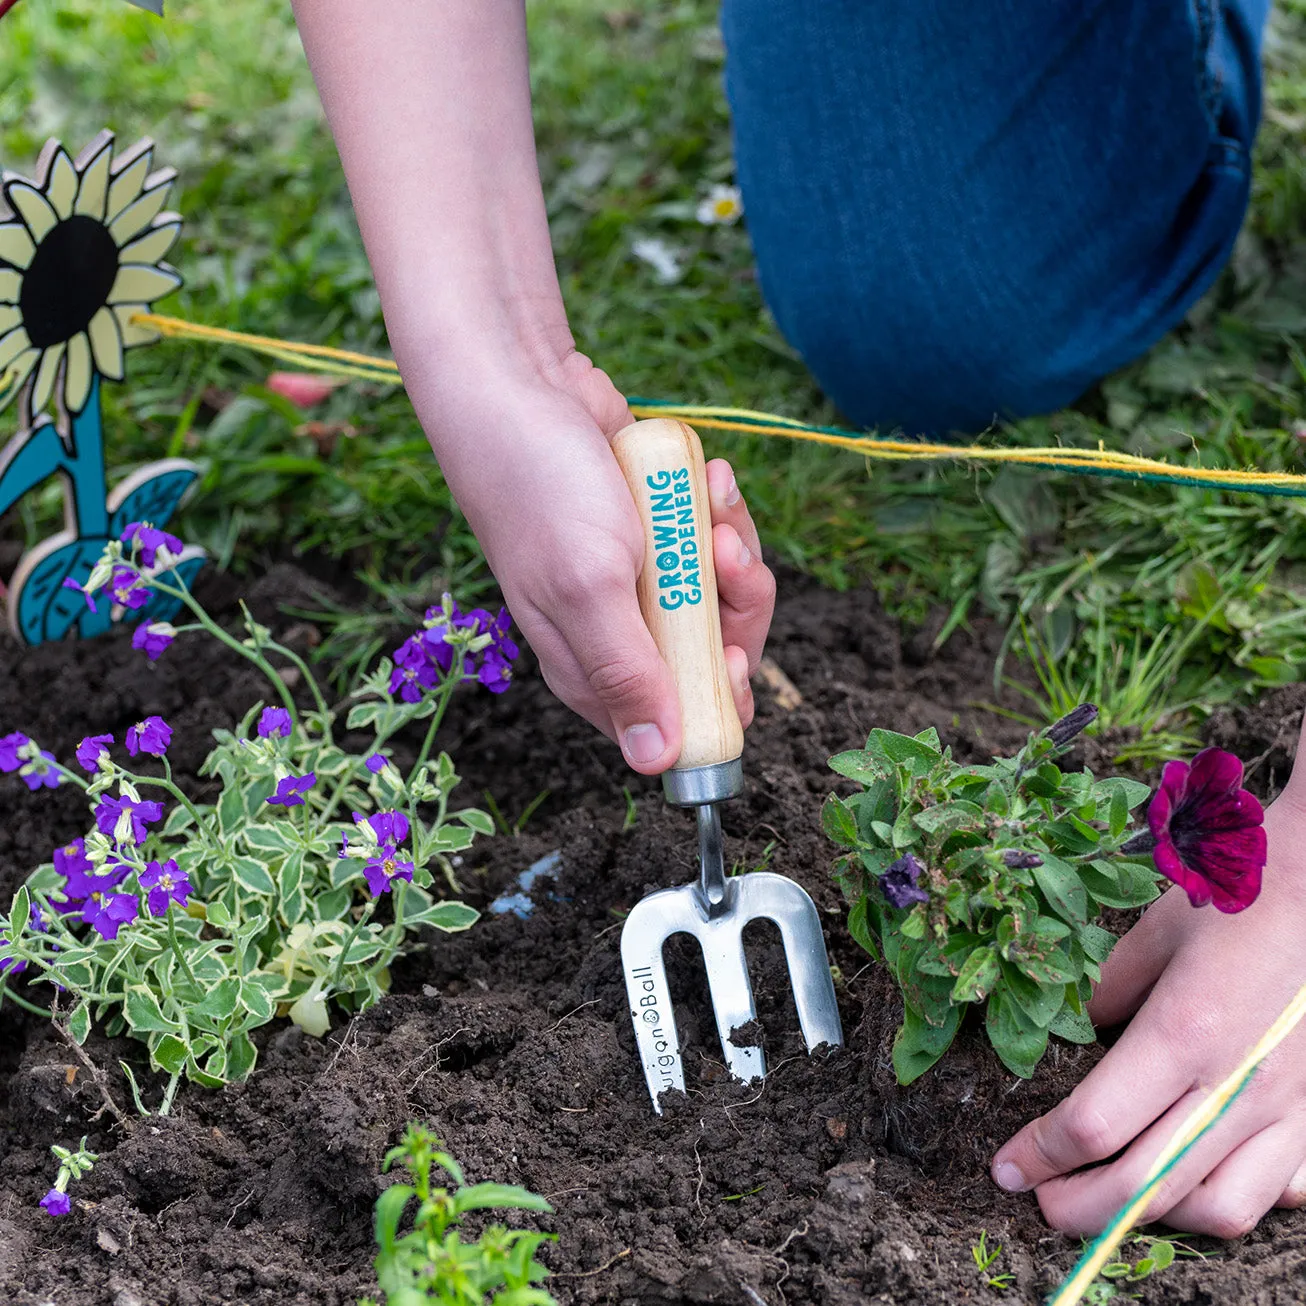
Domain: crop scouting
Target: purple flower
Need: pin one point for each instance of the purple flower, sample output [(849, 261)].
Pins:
[(164, 884), (153, 637), (126, 589), (1208, 831), (57, 1203), (385, 827), (70, 584), (274, 721), (414, 671), (38, 920), (1018, 860), (898, 883), (288, 791), (151, 541), (495, 672), (106, 913), (9, 746), (153, 735), (385, 868), (9, 965), (72, 860), (141, 813), (91, 751), (375, 763), (1072, 724), (40, 771)]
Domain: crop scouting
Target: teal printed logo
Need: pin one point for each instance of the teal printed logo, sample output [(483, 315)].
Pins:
[(675, 540)]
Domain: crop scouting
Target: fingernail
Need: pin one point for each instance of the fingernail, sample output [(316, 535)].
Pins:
[(732, 494), (1008, 1176), (744, 556), (644, 744)]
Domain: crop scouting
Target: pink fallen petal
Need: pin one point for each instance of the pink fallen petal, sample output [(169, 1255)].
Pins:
[(302, 388)]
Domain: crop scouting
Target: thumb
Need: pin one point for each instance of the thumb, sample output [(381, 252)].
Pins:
[(628, 677)]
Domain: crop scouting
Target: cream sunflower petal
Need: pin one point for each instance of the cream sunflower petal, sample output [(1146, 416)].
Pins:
[(153, 245), (16, 246), (31, 205), (12, 345), (106, 343), (45, 376), (77, 374), (95, 181), (61, 184), (127, 184), (139, 214), (137, 283), (17, 372), (133, 333), (10, 316), (11, 285)]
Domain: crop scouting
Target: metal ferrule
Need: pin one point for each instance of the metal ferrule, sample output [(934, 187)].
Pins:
[(697, 785)]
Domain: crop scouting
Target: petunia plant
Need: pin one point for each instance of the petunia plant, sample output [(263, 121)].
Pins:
[(982, 886), (190, 924)]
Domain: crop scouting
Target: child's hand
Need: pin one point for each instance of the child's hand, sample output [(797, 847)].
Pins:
[(532, 468), (1205, 987)]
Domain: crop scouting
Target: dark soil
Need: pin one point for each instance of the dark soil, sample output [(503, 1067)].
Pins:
[(829, 1185)]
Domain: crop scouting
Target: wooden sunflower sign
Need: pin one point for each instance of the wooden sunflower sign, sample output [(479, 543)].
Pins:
[(81, 255)]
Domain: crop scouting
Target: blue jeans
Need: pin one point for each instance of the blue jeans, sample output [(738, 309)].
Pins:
[(962, 212)]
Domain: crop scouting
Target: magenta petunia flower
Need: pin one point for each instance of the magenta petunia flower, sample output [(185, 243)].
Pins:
[(384, 869), (153, 735), (164, 884), (152, 542), (92, 751), (289, 792), (106, 913), (898, 883), (1208, 831), (153, 637), (57, 1203)]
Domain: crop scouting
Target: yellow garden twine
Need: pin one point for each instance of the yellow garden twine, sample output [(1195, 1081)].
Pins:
[(1184, 1138), (1083, 462)]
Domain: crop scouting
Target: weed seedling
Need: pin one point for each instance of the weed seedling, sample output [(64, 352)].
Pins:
[(431, 1262), (985, 1257)]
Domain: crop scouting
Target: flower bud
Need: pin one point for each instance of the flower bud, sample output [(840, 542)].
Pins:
[(1072, 725)]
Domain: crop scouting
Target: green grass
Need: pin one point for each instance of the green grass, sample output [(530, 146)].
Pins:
[(632, 128)]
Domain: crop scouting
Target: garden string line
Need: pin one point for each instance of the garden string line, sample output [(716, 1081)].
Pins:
[(1080, 462), (1193, 1129)]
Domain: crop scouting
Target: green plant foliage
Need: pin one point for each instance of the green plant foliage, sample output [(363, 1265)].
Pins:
[(431, 1262), (283, 908), (1017, 860)]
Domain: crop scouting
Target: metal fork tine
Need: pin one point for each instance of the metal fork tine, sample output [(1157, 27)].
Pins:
[(763, 893), (722, 941)]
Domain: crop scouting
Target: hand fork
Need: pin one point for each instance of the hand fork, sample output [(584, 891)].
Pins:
[(663, 464)]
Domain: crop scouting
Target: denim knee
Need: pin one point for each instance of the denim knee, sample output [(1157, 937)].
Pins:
[(957, 221)]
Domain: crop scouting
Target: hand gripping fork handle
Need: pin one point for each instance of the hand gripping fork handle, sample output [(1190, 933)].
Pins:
[(663, 464)]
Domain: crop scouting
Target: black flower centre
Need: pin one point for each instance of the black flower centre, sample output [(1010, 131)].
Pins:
[(68, 280)]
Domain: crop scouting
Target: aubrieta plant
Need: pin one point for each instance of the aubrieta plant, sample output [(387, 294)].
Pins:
[(189, 925), (431, 1262), (981, 885), (73, 1164)]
